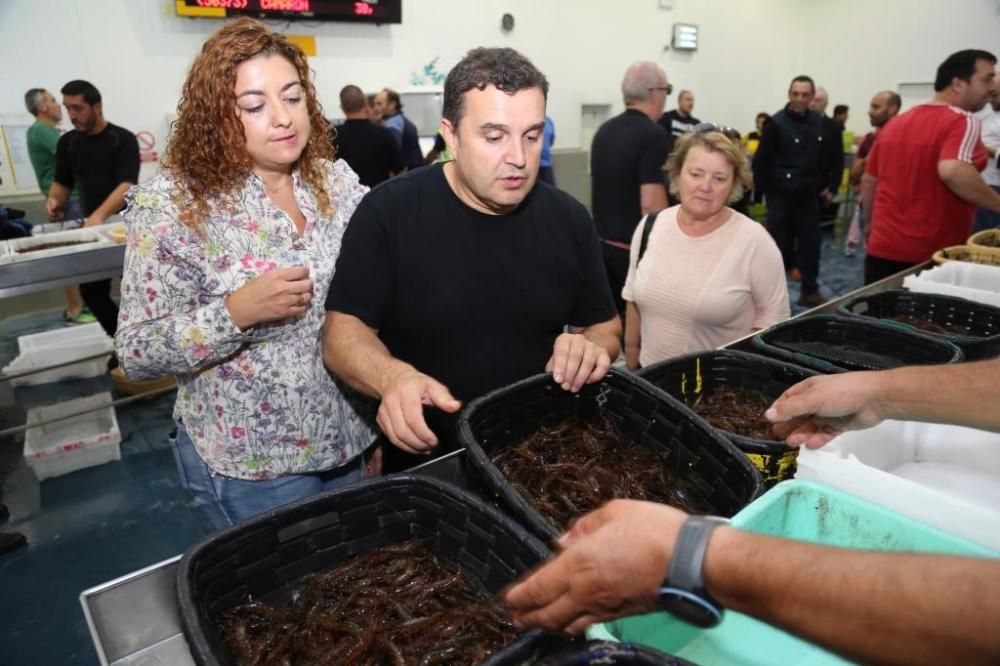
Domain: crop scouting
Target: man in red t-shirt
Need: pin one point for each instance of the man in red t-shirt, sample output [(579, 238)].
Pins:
[(923, 171)]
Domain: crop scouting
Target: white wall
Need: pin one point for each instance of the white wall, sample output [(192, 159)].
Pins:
[(137, 51), (854, 48)]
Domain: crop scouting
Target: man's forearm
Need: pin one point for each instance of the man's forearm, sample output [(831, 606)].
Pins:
[(354, 352), (874, 607), (964, 394), (111, 205), (59, 193), (869, 184), (963, 179)]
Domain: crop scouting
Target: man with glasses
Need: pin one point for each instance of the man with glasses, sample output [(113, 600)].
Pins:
[(626, 168)]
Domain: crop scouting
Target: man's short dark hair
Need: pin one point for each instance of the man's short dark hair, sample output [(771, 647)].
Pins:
[(960, 65), (91, 95), (894, 99), (393, 96), (32, 99), (503, 68), (840, 109), (352, 99), (802, 78)]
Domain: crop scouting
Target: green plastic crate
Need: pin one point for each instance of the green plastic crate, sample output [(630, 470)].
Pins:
[(805, 511)]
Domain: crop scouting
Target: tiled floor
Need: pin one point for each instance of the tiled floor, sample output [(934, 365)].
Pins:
[(83, 528), (97, 524)]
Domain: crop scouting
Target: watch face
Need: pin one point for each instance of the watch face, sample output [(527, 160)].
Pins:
[(690, 607)]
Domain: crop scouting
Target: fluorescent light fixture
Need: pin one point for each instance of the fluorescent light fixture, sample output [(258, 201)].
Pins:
[(685, 37)]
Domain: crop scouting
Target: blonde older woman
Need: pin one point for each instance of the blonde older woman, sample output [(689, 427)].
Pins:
[(709, 275)]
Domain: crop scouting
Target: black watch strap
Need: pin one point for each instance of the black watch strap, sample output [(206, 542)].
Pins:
[(687, 562)]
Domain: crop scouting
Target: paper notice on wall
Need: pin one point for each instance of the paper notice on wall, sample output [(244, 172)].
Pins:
[(16, 174)]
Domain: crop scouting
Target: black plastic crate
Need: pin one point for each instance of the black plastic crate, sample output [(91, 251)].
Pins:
[(266, 557), (812, 342), (714, 475), (610, 653), (689, 377), (977, 325)]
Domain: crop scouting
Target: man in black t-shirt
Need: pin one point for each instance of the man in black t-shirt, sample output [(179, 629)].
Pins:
[(626, 168), (370, 150), (679, 121), (463, 277), (103, 161)]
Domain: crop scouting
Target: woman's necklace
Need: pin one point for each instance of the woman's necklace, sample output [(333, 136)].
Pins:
[(278, 188)]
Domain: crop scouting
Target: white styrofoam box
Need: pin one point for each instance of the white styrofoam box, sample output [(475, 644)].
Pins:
[(961, 462), (87, 239), (74, 443), (974, 282), (947, 512), (61, 345)]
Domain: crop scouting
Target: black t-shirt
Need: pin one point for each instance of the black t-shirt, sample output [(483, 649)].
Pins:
[(97, 163), (629, 150), (370, 150), (473, 300)]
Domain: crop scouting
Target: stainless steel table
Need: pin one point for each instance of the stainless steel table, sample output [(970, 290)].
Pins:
[(133, 620), (33, 275)]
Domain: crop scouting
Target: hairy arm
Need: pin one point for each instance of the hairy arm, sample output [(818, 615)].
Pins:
[(868, 606), (963, 179), (353, 351), (815, 411), (873, 607), (56, 201), (111, 205)]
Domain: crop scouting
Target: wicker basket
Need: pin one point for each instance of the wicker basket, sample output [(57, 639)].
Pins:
[(975, 254), (988, 238), (714, 475), (977, 325), (688, 377), (265, 557), (813, 342)]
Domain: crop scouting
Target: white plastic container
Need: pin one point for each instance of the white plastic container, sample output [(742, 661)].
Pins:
[(74, 443), (947, 476), (61, 345), (974, 282), (84, 239)]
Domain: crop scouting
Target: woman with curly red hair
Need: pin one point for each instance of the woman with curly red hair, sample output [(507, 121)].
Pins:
[(229, 255)]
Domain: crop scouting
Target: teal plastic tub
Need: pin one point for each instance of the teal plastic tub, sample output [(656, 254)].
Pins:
[(804, 511)]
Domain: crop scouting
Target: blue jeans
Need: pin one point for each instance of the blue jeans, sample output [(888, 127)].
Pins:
[(227, 501), (985, 218)]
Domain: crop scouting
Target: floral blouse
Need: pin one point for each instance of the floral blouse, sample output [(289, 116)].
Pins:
[(258, 404)]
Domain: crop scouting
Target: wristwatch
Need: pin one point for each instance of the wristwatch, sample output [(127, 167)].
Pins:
[(683, 592)]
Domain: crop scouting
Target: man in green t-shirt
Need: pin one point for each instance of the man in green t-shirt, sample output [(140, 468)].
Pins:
[(42, 139)]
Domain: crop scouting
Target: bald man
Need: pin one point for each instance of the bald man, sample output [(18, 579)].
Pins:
[(626, 168), (680, 121), (370, 150)]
